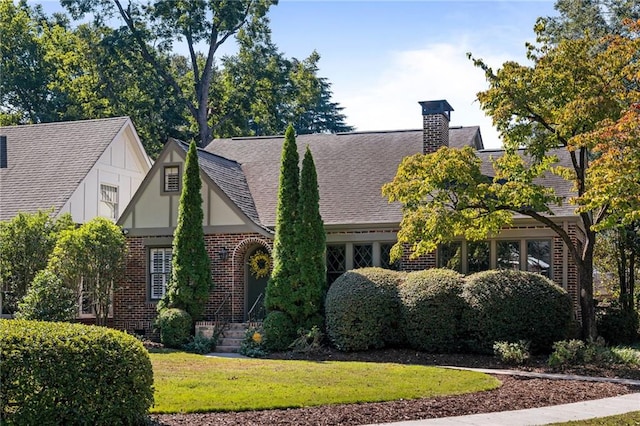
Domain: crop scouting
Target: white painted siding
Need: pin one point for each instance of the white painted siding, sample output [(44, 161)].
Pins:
[(121, 165)]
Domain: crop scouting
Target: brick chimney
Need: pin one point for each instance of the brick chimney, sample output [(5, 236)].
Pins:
[(3, 152), (435, 125)]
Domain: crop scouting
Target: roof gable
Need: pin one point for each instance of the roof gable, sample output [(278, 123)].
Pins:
[(46, 162)]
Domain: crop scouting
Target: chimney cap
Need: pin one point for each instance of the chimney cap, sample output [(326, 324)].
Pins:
[(436, 107)]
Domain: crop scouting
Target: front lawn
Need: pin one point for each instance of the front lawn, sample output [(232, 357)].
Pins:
[(193, 383)]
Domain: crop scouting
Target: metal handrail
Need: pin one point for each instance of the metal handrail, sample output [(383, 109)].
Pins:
[(216, 314), (255, 304)]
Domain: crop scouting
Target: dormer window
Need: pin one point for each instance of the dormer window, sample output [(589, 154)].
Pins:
[(171, 179)]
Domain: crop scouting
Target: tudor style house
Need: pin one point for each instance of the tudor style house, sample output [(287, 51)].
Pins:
[(239, 190), (87, 168)]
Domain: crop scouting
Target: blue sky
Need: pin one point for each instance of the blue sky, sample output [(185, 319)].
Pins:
[(382, 57)]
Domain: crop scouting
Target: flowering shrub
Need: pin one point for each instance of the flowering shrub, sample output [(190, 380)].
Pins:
[(512, 353), (253, 343)]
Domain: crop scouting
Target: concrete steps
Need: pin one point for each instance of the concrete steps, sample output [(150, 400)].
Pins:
[(232, 337)]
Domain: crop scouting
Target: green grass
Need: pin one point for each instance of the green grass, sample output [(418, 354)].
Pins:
[(622, 419), (193, 383)]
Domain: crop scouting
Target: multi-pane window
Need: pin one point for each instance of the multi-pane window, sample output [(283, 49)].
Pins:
[(109, 201), (362, 255), (539, 256), (508, 254), (171, 179), (385, 257), (336, 262), (478, 256), (159, 271), (450, 256)]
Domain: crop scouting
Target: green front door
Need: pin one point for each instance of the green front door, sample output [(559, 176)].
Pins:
[(258, 271)]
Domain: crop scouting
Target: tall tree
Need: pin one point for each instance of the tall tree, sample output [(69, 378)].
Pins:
[(567, 92), (285, 275), (190, 282), (26, 242), (309, 296), (91, 259), (163, 22)]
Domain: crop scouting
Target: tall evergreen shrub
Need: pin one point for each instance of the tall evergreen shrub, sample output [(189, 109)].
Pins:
[(190, 282), (309, 296), (285, 275)]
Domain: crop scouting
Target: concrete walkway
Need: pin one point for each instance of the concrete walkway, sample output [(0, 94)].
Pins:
[(540, 416)]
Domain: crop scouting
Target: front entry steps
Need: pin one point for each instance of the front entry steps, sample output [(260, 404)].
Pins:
[(231, 338)]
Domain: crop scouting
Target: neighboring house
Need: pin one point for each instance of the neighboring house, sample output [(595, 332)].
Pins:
[(87, 168), (240, 185)]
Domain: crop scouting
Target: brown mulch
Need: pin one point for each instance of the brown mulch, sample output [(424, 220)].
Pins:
[(514, 394)]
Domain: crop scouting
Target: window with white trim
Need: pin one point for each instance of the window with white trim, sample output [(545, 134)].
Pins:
[(336, 262), (362, 255), (539, 257), (171, 179), (109, 201), (159, 271)]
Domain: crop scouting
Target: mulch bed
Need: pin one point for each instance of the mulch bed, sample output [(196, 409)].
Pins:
[(514, 394)]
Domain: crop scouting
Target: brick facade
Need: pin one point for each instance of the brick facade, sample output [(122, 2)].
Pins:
[(135, 312)]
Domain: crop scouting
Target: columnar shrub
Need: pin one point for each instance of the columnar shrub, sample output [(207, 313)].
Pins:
[(515, 305), (175, 327), (190, 281), (433, 308), (61, 373), (363, 310)]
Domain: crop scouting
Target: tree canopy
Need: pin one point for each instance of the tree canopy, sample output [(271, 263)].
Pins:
[(550, 108)]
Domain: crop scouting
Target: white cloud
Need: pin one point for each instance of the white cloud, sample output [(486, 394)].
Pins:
[(439, 71)]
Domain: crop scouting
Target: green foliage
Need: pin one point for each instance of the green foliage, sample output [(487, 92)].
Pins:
[(363, 310), (26, 242), (618, 325), (190, 282), (279, 331), (253, 344), (308, 340), (512, 353), (91, 259), (577, 353), (199, 344), (309, 295), (514, 305), (285, 276), (72, 374), (48, 299), (175, 327), (432, 308)]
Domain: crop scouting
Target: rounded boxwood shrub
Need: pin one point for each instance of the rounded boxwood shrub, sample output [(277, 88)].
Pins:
[(62, 373), (513, 305), (279, 331), (433, 307), (175, 327), (363, 310)]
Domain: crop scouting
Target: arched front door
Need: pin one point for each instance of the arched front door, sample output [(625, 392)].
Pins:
[(258, 269)]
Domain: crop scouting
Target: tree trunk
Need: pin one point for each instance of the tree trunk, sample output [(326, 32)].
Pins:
[(587, 305)]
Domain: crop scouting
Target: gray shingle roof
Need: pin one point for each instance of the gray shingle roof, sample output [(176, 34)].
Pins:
[(229, 177), (351, 168), (47, 162)]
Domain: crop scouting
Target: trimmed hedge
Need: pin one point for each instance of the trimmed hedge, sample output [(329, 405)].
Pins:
[(514, 305), (279, 331), (618, 326), (363, 310), (175, 327), (60, 373), (433, 307)]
